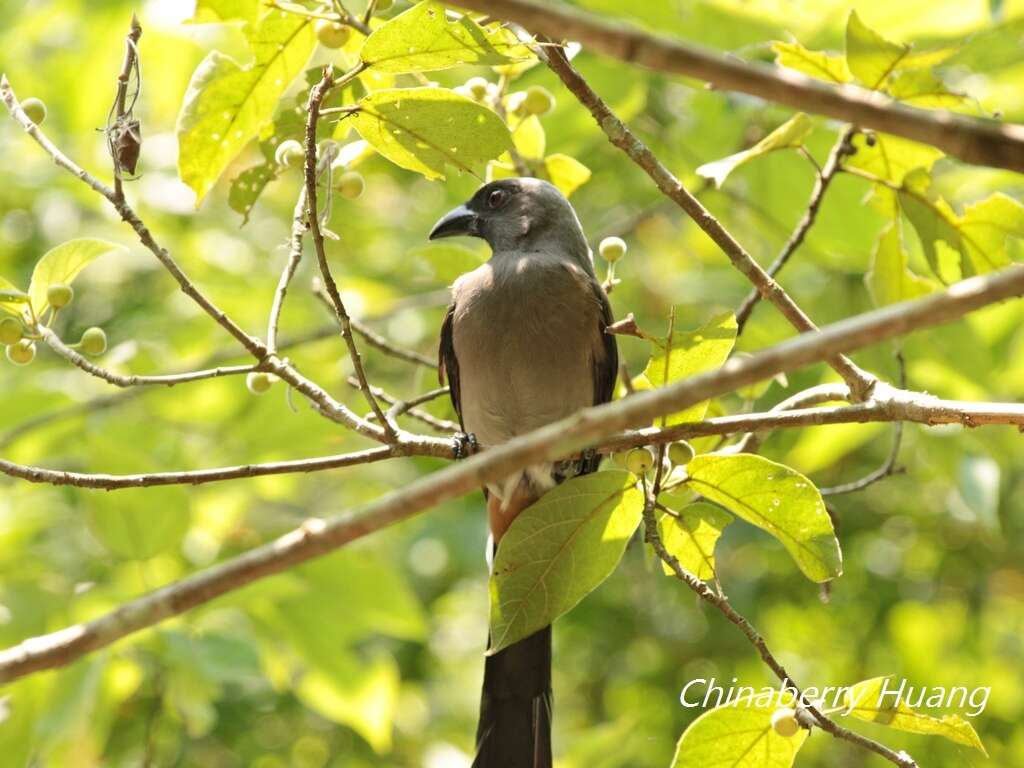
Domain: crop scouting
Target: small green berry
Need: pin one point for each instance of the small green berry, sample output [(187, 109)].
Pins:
[(59, 295), (680, 453), (612, 249), (259, 382), (93, 342), (350, 184), (784, 722), (538, 100), (11, 330), (477, 87), (639, 460), (289, 153), (331, 34), (22, 353), (35, 109)]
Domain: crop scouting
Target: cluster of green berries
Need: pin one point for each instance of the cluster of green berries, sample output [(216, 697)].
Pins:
[(348, 184), (640, 460), (21, 347)]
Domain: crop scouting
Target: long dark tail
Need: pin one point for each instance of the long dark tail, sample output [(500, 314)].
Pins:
[(515, 707)]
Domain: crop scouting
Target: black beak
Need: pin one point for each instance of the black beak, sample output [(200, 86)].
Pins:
[(461, 221)]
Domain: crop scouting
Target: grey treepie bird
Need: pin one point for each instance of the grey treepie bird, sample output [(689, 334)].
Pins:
[(523, 344)]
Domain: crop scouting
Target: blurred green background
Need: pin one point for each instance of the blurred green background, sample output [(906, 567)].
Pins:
[(373, 656)]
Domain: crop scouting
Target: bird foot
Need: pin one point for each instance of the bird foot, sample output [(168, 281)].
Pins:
[(464, 444)]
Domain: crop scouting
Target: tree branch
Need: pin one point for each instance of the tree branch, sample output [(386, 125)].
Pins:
[(822, 181), (859, 381), (973, 140), (316, 97), (549, 443)]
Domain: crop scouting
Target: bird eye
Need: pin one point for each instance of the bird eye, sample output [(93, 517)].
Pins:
[(496, 198)]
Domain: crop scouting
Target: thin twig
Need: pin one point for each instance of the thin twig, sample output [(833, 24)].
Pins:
[(299, 228), (971, 139), (859, 381), (408, 407), (316, 97), (823, 179), (120, 100)]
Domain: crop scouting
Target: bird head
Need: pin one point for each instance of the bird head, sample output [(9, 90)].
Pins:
[(514, 214)]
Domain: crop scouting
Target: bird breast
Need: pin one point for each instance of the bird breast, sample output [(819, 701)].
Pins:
[(526, 331)]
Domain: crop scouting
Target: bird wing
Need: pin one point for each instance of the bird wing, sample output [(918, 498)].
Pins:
[(448, 363), (606, 366)]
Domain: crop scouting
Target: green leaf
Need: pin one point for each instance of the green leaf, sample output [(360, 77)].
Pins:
[(685, 354), (691, 536), (737, 735), (246, 188), (871, 58), (934, 221), (890, 157), (789, 135), (558, 550), (985, 227), (228, 105), (921, 88), (62, 264), (528, 138), (776, 499), (11, 298), (819, 64), (889, 279), (875, 701), (424, 39), (565, 172), (426, 129)]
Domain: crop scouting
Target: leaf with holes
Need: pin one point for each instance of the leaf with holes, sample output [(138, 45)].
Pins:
[(878, 701), (426, 129), (424, 39), (62, 265), (776, 499), (558, 550), (690, 536), (228, 105), (789, 135), (738, 735)]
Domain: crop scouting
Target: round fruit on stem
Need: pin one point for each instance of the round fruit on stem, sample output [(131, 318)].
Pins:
[(477, 87), (59, 295), (784, 722), (350, 184), (259, 382), (612, 249), (289, 153), (331, 34), (22, 353), (34, 109), (11, 330), (680, 453), (538, 100), (639, 461), (93, 342)]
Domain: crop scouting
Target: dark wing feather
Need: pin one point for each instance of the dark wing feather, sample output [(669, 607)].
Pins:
[(448, 363), (606, 368)]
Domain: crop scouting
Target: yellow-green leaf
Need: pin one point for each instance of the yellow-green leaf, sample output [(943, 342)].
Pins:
[(216, 11), (737, 736), (227, 105), (685, 354), (558, 550), (565, 172), (424, 39), (890, 157), (12, 300), (871, 58), (776, 499), (878, 701), (889, 279), (690, 537), (789, 135), (528, 138), (62, 265), (824, 66), (984, 228), (427, 129), (922, 88)]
